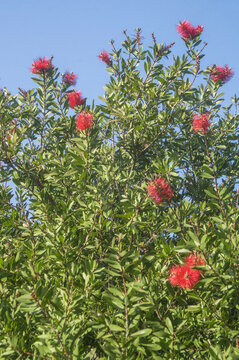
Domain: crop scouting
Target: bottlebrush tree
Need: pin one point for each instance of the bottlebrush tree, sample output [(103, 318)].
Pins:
[(121, 241)]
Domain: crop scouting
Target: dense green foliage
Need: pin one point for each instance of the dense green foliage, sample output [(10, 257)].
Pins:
[(85, 253)]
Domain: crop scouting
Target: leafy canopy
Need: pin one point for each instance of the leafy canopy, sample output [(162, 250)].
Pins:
[(85, 251)]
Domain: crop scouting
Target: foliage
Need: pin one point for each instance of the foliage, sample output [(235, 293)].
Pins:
[(85, 253)]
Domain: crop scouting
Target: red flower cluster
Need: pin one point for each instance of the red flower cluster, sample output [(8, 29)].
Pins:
[(104, 56), (41, 66), (159, 190), (187, 31), (193, 260), (75, 99), (69, 78), (201, 123), (13, 130), (221, 73), (83, 121), (183, 275)]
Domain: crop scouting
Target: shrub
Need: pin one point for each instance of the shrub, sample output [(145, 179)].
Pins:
[(92, 266)]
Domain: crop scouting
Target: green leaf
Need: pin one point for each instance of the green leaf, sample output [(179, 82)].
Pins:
[(142, 333), (211, 193), (169, 325), (193, 308), (116, 292), (194, 238), (208, 173), (116, 328)]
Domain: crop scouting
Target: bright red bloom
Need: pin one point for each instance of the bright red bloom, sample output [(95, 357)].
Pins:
[(69, 78), (11, 131), (194, 260), (184, 276), (187, 31), (201, 123), (159, 190), (75, 99), (104, 56), (221, 73), (41, 66), (83, 121)]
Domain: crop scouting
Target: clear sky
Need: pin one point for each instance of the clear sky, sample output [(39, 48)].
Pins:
[(76, 31)]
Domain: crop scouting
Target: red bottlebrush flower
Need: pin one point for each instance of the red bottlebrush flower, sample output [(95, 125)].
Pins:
[(12, 131), (159, 190), (83, 121), (194, 260), (75, 99), (201, 123), (221, 73), (187, 31), (184, 276), (41, 66), (104, 56), (69, 78)]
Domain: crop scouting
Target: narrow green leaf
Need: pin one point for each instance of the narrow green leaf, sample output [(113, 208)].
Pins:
[(142, 333)]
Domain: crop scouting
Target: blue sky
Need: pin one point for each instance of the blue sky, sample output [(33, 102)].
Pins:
[(76, 31)]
